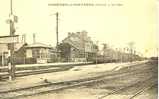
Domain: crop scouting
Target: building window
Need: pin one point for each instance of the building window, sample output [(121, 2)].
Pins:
[(36, 53)]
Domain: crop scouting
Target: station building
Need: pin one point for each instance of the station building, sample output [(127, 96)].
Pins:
[(81, 47), (25, 53), (40, 53)]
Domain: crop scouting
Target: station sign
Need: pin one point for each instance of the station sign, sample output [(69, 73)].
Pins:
[(9, 39)]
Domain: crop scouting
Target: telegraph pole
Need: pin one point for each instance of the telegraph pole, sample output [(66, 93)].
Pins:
[(57, 18), (57, 32), (131, 45), (97, 53), (11, 45)]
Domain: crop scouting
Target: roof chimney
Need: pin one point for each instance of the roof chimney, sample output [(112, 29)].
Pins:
[(69, 33), (24, 38), (34, 38)]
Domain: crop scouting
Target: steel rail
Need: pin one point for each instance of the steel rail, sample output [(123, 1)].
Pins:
[(129, 86), (142, 91), (75, 84), (116, 74)]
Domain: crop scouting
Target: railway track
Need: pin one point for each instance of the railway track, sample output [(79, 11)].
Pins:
[(54, 87), (141, 86), (33, 71), (38, 70), (141, 91), (137, 88)]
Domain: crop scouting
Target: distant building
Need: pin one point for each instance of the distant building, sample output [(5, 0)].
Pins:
[(81, 47)]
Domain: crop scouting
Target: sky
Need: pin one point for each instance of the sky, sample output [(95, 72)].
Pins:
[(133, 21)]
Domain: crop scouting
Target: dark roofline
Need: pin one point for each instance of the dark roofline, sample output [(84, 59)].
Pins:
[(38, 47), (9, 36)]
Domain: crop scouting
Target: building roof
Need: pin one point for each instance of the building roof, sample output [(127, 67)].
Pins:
[(74, 43), (37, 45), (78, 40)]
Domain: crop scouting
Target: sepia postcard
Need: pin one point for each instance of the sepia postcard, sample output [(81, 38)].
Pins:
[(79, 49)]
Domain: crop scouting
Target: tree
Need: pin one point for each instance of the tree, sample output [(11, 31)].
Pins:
[(65, 50)]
